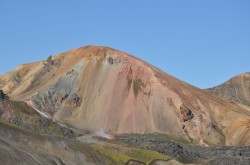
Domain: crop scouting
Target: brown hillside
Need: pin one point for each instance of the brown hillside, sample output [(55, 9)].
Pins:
[(102, 88)]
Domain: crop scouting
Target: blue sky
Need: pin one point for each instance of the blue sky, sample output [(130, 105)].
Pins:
[(202, 42)]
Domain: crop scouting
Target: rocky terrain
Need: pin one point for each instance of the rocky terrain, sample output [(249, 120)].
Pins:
[(187, 152), (97, 105), (23, 116), (236, 89)]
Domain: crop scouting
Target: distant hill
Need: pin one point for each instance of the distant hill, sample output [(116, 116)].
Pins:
[(236, 89)]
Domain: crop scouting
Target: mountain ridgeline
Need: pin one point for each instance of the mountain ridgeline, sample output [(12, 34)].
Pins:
[(92, 88), (236, 89)]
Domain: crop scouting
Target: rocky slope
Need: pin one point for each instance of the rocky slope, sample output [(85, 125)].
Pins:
[(21, 146), (28, 138), (236, 89), (186, 152), (101, 88)]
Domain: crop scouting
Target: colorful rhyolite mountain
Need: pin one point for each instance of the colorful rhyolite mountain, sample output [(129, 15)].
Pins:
[(101, 88)]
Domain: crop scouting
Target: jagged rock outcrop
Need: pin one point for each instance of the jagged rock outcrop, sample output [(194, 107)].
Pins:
[(186, 113), (48, 61)]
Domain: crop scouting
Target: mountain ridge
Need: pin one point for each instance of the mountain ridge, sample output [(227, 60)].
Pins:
[(236, 89), (102, 88)]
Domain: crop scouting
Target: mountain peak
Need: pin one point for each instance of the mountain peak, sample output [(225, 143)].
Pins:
[(96, 87), (235, 89)]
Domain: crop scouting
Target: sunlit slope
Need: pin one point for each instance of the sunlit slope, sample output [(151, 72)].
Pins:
[(102, 88), (236, 89)]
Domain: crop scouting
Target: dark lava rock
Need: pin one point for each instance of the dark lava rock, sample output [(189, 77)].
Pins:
[(110, 60), (135, 162), (186, 113), (45, 122), (15, 120), (190, 154), (2, 95), (68, 133)]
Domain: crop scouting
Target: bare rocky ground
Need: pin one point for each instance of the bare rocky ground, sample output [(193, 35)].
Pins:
[(187, 153), (236, 89)]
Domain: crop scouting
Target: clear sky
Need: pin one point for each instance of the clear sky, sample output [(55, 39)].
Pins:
[(202, 42)]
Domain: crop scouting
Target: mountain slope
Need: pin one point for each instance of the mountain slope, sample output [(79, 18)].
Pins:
[(27, 148), (102, 88), (236, 89)]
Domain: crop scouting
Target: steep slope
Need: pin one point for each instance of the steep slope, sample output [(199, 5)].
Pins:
[(24, 147), (236, 89), (101, 88), (28, 138)]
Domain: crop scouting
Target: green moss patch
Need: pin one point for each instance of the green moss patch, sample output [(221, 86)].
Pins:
[(121, 155), (23, 107), (10, 125), (129, 83), (137, 86)]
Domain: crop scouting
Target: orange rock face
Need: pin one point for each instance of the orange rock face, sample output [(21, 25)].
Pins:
[(102, 88)]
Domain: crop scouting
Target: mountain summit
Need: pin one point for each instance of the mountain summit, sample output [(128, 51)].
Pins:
[(236, 89), (96, 88)]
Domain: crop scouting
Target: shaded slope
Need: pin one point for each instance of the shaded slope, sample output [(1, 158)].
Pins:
[(98, 87), (12, 153), (20, 114), (236, 89), (24, 147), (29, 148)]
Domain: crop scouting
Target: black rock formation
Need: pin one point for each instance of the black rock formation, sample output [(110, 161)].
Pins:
[(2, 95)]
